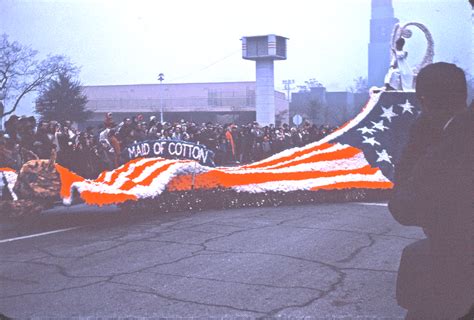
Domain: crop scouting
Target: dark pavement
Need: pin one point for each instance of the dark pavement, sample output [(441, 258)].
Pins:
[(323, 261)]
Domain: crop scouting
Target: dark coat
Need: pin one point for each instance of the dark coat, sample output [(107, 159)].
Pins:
[(434, 180), (434, 189)]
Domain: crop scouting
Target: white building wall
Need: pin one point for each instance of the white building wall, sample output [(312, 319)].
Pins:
[(220, 97), (265, 100)]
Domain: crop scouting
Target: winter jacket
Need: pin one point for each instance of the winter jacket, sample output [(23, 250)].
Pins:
[(434, 189)]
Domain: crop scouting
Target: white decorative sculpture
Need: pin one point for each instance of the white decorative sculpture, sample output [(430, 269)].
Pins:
[(401, 76)]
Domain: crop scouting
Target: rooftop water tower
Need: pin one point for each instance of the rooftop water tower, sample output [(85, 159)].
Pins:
[(263, 50)]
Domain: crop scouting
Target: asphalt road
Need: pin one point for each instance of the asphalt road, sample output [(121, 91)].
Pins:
[(323, 261)]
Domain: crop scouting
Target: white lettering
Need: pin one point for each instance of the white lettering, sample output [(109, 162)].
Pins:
[(179, 149), (156, 149), (145, 149), (186, 150), (204, 156), (169, 148), (196, 155), (131, 152), (138, 151), (162, 146)]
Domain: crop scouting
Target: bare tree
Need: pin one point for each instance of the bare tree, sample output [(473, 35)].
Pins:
[(312, 111), (313, 83), (360, 86), (21, 72)]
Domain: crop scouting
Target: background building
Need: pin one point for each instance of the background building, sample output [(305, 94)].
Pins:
[(381, 26), (221, 102)]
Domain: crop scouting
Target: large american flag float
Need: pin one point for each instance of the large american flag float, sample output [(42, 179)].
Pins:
[(359, 155)]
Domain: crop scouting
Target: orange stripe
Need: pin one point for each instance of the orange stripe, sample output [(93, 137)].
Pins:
[(7, 169), (101, 176), (216, 179), (148, 180), (155, 174), (100, 199), (356, 185), (118, 171), (67, 179), (346, 153), (139, 169), (287, 158)]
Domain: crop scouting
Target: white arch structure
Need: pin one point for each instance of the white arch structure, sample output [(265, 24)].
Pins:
[(403, 31)]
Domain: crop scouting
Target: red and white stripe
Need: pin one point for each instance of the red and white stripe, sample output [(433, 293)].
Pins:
[(331, 167)]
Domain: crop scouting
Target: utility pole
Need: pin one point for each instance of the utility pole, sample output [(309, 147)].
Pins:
[(288, 88), (161, 77)]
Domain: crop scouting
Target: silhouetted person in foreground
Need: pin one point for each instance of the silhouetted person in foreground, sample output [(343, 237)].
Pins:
[(434, 190)]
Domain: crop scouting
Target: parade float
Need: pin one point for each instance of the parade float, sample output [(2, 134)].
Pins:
[(355, 162), (352, 163)]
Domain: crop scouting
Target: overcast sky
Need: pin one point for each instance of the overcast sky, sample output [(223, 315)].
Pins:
[(131, 42)]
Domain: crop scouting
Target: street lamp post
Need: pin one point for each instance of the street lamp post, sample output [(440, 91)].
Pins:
[(161, 77)]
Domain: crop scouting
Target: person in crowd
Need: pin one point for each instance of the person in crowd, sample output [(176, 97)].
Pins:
[(207, 136), (266, 146), (108, 121), (185, 136), (231, 144), (177, 133), (296, 137), (26, 131), (152, 123), (248, 140), (105, 149), (434, 190), (257, 133), (9, 152), (43, 143), (11, 127), (140, 132), (116, 146), (125, 132)]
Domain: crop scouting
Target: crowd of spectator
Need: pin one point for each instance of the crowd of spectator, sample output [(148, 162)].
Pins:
[(90, 151)]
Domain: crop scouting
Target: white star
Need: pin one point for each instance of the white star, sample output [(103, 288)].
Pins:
[(407, 107), (370, 141), (365, 130), (383, 156), (379, 125), (388, 113)]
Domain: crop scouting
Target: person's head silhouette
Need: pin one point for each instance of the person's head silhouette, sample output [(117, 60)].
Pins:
[(399, 44), (441, 88)]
